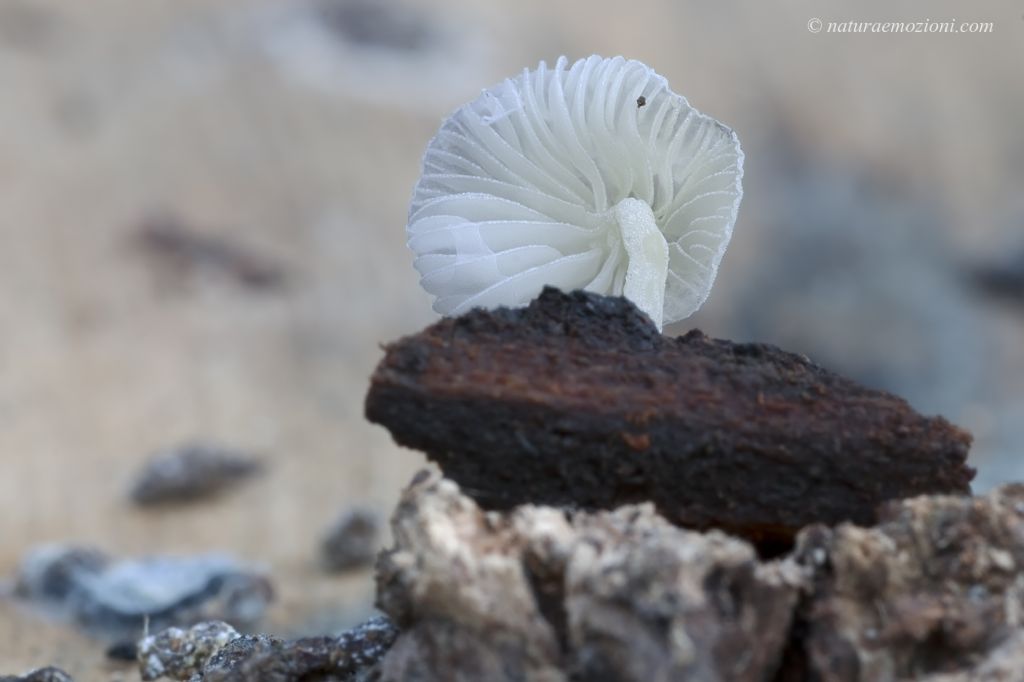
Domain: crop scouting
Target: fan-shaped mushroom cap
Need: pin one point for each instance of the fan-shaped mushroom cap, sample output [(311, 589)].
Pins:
[(592, 176)]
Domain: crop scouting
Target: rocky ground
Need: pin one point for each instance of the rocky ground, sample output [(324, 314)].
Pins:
[(844, 544), (200, 238)]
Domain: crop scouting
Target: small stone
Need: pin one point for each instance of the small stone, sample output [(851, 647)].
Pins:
[(1002, 278), (179, 250), (116, 599), (180, 654), (235, 658), (210, 653), (344, 658), (48, 674), (352, 542), (123, 650), (54, 573), (191, 472)]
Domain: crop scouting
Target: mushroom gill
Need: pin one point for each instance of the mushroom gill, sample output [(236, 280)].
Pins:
[(592, 176)]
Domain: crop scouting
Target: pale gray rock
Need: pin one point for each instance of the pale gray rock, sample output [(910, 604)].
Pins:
[(539, 594), (935, 591), (118, 598)]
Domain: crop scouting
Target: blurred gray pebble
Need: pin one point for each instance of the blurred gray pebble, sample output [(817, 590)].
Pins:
[(191, 472), (352, 542), (118, 598), (48, 674)]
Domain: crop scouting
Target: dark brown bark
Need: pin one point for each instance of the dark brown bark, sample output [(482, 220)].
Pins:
[(578, 401)]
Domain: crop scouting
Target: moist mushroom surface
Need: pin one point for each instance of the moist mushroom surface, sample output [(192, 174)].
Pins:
[(560, 177)]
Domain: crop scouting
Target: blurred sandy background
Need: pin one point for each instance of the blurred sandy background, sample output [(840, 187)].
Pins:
[(882, 171)]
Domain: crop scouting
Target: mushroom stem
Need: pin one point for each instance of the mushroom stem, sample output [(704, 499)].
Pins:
[(647, 252)]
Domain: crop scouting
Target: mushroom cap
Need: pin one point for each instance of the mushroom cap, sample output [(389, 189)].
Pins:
[(520, 187)]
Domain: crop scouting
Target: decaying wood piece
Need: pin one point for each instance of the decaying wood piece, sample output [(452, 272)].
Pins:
[(578, 401)]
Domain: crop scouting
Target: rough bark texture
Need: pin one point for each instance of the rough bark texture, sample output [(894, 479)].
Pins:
[(935, 592), (578, 401), (535, 594)]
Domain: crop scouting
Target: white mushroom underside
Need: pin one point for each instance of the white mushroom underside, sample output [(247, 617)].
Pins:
[(594, 176), (646, 255)]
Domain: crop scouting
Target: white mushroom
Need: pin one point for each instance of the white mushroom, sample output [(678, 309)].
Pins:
[(592, 176)]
